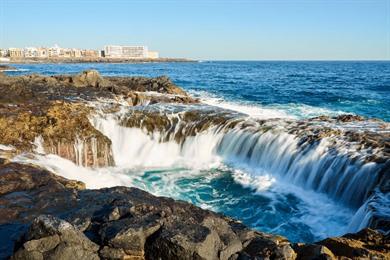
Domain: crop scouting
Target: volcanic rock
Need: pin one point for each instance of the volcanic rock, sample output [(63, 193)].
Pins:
[(366, 244)]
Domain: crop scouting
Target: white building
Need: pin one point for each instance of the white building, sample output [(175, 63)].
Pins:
[(30, 52), (130, 52), (54, 51), (4, 53)]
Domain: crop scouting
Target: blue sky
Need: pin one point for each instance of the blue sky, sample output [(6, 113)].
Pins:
[(240, 30)]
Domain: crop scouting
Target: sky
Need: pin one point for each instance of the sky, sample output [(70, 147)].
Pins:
[(209, 30)]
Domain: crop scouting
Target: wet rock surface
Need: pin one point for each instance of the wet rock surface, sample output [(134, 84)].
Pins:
[(55, 218), (64, 128)]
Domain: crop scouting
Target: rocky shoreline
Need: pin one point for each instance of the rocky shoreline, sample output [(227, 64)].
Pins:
[(45, 216)]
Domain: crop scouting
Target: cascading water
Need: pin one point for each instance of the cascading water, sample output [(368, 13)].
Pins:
[(318, 166), (324, 167), (260, 174), (132, 147), (315, 166)]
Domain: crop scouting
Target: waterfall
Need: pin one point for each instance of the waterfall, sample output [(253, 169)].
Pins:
[(316, 166), (264, 155), (133, 147), (373, 213), (319, 166)]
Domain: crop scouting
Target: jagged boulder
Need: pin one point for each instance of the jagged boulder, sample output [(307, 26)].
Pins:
[(89, 78), (52, 238), (312, 251)]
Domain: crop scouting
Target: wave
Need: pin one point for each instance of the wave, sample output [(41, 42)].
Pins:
[(289, 111), (15, 70)]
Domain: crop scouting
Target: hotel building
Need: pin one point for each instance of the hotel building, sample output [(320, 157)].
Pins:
[(130, 52)]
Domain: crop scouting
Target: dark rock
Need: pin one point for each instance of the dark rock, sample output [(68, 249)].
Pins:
[(119, 222), (349, 118), (312, 251), (367, 243), (88, 85), (130, 234), (52, 238), (123, 222), (16, 177), (89, 78), (264, 246)]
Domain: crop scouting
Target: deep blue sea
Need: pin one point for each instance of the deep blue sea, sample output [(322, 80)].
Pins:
[(257, 196), (288, 88)]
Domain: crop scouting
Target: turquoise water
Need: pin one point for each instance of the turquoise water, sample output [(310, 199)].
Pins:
[(298, 214), (301, 89), (260, 198)]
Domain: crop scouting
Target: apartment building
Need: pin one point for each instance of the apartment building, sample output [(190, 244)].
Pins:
[(90, 53), (130, 52), (30, 52), (15, 52)]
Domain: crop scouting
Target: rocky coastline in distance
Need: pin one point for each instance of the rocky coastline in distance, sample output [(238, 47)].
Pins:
[(25, 60), (45, 216)]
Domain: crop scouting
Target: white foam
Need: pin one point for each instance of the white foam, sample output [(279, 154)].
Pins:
[(290, 111), (322, 215), (258, 182), (6, 147), (93, 178), (38, 143), (256, 111)]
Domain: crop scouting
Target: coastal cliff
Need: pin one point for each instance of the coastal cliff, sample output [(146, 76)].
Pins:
[(45, 216)]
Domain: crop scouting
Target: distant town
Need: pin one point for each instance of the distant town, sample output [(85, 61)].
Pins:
[(56, 52)]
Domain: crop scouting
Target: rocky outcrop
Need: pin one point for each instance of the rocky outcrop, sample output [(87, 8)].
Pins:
[(53, 218), (88, 85), (181, 125), (52, 109), (122, 222), (62, 127), (52, 238)]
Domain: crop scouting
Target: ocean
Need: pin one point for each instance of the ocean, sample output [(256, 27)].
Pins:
[(266, 88), (268, 192)]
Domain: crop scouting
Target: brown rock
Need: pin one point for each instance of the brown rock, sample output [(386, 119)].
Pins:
[(312, 251), (367, 243)]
